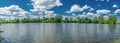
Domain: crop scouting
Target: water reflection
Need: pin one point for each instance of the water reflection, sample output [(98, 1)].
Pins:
[(1, 36), (60, 33), (0, 39)]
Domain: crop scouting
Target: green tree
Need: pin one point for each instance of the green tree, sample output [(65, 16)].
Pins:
[(78, 19), (58, 19), (112, 19), (94, 20), (100, 19)]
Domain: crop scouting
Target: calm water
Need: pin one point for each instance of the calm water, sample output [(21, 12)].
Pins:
[(60, 33)]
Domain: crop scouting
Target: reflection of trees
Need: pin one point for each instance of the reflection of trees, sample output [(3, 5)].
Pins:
[(112, 26), (0, 36), (0, 39), (105, 32), (63, 33)]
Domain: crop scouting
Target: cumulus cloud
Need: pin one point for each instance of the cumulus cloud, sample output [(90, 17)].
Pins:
[(103, 11), (77, 8), (43, 5), (67, 12), (85, 7), (90, 14), (13, 11), (82, 16), (117, 11), (115, 6), (49, 12), (40, 7), (91, 9)]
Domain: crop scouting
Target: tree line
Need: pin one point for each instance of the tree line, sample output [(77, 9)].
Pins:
[(59, 19)]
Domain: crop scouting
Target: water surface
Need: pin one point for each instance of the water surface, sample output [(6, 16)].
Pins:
[(60, 33)]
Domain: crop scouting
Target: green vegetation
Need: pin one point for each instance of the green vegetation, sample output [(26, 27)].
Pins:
[(59, 19)]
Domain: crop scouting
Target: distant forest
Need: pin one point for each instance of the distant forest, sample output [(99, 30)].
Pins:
[(59, 19)]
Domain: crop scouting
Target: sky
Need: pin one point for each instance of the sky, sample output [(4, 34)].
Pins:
[(11, 9)]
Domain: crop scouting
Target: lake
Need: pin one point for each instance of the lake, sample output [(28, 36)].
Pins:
[(60, 33)]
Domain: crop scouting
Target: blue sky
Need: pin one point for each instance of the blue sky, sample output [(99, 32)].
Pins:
[(60, 7)]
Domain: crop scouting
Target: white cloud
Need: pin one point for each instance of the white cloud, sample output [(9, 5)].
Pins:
[(106, 17), (13, 11), (117, 11), (64, 17), (82, 16), (115, 6), (43, 5), (49, 12), (84, 13), (85, 7), (67, 12), (73, 14), (103, 0), (33, 16), (96, 15), (39, 7), (91, 9), (103, 11), (77, 8), (90, 14)]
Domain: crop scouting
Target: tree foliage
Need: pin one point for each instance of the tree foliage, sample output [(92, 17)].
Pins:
[(59, 19)]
